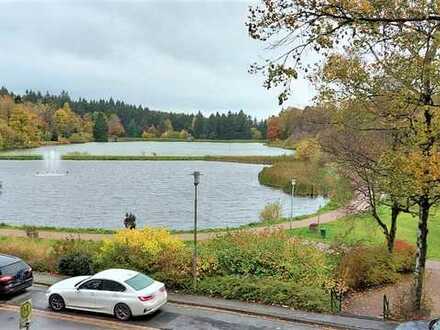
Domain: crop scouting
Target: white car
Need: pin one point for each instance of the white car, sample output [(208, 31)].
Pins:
[(123, 293)]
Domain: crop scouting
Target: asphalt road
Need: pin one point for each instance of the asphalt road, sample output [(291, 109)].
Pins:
[(171, 316)]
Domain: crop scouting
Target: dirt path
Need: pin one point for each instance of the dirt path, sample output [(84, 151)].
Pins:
[(322, 218), (370, 303)]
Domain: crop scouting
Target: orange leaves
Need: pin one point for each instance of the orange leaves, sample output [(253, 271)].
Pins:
[(273, 128)]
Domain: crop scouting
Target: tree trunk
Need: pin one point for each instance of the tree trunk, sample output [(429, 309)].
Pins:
[(422, 246), (391, 238)]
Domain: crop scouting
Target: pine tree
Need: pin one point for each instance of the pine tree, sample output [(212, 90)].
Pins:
[(100, 129)]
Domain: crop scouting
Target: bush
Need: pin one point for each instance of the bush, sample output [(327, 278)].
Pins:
[(404, 256), (267, 291), (80, 138), (35, 252), (272, 211), (75, 264), (151, 251), (71, 245), (367, 266), (267, 253)]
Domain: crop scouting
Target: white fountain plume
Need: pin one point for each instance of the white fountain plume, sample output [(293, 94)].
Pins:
[(52, 161)]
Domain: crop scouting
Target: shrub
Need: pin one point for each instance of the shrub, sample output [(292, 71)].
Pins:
[(404, 256), (71, 245), (266, 290), (35, 252), (80, 138), (272, 211), (151, 251), (266, 253), (31, 231), (75, 264), (366, 266)]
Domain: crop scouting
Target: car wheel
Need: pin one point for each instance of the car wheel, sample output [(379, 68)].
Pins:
[(122, 312), (56, 303)]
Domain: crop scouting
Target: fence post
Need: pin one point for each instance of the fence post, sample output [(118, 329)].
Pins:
[(386, 308)]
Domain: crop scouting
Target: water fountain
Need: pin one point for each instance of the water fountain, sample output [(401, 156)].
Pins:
[(52, 161)]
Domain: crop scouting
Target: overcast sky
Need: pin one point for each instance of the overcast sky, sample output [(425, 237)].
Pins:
[(169, 55)]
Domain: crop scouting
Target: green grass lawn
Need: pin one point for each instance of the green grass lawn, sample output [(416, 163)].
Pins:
[(363, 228)]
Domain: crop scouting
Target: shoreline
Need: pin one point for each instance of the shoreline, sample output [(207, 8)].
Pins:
[(267, 160), (328, 207)]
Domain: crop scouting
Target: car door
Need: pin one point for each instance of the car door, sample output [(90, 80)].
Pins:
[(110, 294), (85, 296)]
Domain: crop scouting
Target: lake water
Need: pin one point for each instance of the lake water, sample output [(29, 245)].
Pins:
[(160, 193), (137, 148)]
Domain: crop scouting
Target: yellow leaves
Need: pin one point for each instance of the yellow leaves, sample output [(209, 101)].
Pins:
[(344, 69), (412, 173), (25, 123), (308, 149), (66, 121), (147, 240)]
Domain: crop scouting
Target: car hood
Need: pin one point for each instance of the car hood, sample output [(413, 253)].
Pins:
[(68, 283), (414, 325)]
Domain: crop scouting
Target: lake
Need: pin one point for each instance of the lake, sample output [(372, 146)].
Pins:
[(160, 193), (149, 148)]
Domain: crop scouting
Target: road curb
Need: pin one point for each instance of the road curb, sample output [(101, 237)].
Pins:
[(285, 314), (253, 309)]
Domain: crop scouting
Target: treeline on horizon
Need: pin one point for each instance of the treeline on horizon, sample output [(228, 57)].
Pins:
[(102, 119)]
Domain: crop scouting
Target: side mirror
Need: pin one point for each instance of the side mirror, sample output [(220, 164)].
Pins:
[(434, 324)]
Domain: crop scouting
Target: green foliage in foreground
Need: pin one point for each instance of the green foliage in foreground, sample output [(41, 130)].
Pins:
[(267, 291), (362, 228), (264, 267)]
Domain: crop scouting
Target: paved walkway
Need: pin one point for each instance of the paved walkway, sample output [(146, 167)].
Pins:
[(322, 218)]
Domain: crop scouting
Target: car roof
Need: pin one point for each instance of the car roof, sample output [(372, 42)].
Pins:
[(120, 275), (7, 259)]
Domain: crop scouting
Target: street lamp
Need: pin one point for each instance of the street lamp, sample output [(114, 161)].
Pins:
[(196, 176), (292, 182)]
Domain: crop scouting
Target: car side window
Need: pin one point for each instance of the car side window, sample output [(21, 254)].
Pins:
[(435, 325), (91, 285), (113, 286)]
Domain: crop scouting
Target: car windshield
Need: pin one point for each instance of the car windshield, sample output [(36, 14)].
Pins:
[(139, 281), (14, 268)]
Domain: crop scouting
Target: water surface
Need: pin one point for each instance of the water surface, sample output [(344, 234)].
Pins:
[(160, 193), (149, 148)]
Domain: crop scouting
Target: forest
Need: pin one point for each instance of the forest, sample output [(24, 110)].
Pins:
[(31, 119)]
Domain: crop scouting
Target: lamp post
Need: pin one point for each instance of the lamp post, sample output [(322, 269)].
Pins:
[(196, 175), (292, 182)]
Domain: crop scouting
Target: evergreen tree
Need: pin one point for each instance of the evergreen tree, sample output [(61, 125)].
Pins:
[(132, 129), (100, 130)]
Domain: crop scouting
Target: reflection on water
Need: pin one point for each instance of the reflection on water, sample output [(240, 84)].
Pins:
[(161, 149), (98, 194)]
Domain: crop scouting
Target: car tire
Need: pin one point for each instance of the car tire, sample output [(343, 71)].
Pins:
[(122, 312), (56, 303)]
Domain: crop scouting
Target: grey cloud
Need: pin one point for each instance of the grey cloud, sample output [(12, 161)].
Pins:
[(170, 55)]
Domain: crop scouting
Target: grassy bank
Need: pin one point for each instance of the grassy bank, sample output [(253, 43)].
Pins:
[(311, 178), (72, 230), (125, 139), (237, 159), (21, 157), (362, 228), (85, 157)]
